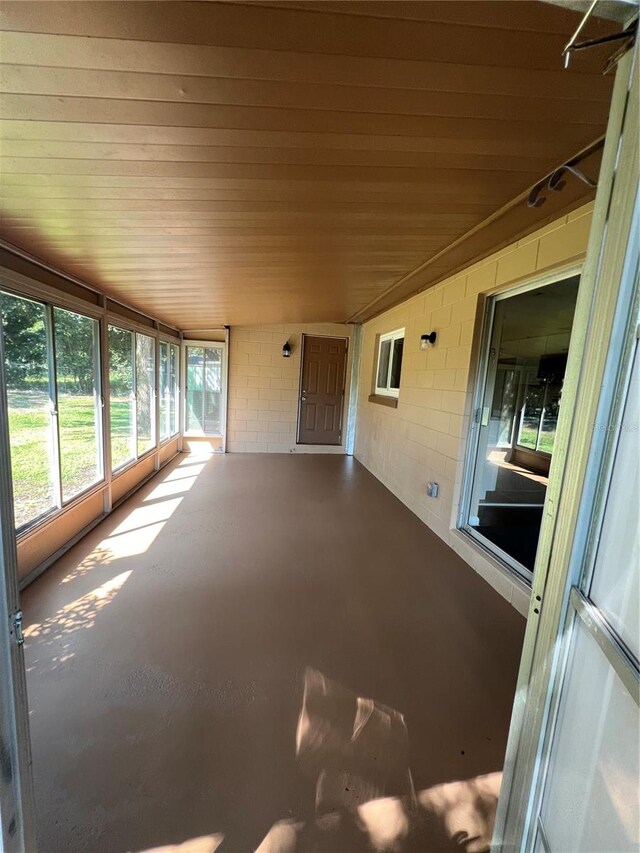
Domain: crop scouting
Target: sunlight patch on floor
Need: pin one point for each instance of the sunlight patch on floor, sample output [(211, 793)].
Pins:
[(78, 614)]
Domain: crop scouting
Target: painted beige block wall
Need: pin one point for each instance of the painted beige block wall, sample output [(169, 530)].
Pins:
[(264, 388), (424, 438)]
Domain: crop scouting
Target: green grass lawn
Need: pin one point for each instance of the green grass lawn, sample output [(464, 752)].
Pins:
[(528, 439), (32, 456), (122, 430)]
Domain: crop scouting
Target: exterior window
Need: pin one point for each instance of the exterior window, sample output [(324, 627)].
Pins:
[(204, 390), (34, 466), (168, 389), (165, 392), (174, 380), (516, 412), (121, 396), (132, 365), (540, 407), (145, 392), (77, 341), (389, 364), (52, 368)]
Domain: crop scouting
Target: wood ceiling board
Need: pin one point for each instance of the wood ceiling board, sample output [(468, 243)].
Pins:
[(479, 182), (83, 253), (246, 164), (40, 50), (260, 258), (86, 83), (133, 272), (249, 239), (526, 15), (240, 235), (516, 222), (113, 111), (21, 148), (288, 220), (298, 30), (543, 147), (100, 251), (224, 190), (285, 209)]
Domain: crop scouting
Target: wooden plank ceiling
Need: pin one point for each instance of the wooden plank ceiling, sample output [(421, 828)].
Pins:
[(214, 163)]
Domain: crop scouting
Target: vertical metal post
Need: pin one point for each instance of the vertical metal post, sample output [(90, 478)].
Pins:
[(354, 386), (225, 386), (105, 391), (56, 462), (134, 375), (157, 390), (184, 355), (182, 396), (17, 811), (98, 399)]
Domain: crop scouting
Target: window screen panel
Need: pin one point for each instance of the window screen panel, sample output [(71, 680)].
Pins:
[(79, 410), (396, 363), (145, 393), (121, 399), (33, 464), (383, 364)]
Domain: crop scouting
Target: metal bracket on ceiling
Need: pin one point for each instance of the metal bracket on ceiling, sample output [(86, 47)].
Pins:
[(627, 35), (556, 180)]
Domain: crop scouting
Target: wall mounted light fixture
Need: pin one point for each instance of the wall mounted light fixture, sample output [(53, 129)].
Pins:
[(286, 350), (425, 340)]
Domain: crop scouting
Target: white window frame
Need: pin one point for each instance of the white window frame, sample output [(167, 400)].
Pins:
[(222, 346), (170, 342), (576, 495), (387, 390), (135, 332)]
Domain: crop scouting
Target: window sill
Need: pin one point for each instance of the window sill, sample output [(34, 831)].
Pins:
[(38, 524), (499, 559), (131, 463), (169, 439), (391, 402)]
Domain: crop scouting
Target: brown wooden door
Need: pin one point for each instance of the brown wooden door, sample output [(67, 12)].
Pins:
[(324, 363)]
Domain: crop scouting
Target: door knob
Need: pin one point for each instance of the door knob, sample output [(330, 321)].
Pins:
[(303, 399)]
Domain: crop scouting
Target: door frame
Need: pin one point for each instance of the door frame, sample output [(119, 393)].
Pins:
[(481, 383), (222, 346), (17, 807), (563, 539), (345, 338)]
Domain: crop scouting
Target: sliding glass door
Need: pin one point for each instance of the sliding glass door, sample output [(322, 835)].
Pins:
[(145, 393), (55, 400), (132, 388), (519, 389), (122, 407), (596, 694), (204, 389), (77, 348), (572, 767), (34, 465), (52, 371), (169, 379)]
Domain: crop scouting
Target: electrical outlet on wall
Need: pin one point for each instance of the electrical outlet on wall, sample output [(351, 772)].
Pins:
[(432, 490)]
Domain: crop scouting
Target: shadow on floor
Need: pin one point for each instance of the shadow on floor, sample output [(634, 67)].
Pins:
[(165, 652)]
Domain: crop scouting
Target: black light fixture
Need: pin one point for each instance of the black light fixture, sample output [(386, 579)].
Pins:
[(286, 350), (425, 340)]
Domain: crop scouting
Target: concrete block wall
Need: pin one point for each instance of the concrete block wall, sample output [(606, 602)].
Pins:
[(425, 437), (264, 387)]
